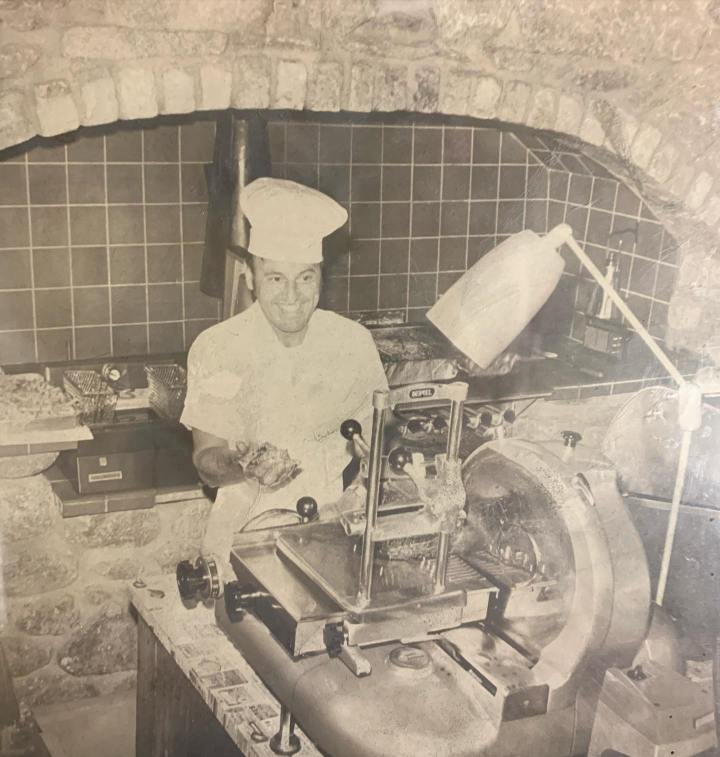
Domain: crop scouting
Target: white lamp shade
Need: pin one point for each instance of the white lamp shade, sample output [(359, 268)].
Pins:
[(491, 304)]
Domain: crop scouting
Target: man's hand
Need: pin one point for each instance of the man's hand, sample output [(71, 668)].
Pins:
[(218, 466)]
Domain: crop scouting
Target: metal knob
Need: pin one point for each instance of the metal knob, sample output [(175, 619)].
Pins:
[(399, 458), (199, 581), (307, 509), (571, 438), (350, 428)]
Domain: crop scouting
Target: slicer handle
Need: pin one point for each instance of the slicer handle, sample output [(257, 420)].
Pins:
[(350, 428), (307, 509)]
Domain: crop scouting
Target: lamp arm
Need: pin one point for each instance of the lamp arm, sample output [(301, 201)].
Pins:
[(624, 309), (689, 398)]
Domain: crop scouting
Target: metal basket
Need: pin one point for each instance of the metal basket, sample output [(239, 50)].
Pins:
[(167, 387), (93, 397)]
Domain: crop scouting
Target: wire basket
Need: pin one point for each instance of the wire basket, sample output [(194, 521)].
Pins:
[(167, 387), (93, 397)]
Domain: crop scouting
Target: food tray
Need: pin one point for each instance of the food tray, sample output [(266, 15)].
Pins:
[(93, 396), (167, 386), (29, 404)]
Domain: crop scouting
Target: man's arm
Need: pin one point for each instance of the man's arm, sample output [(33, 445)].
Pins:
[(216, 463)]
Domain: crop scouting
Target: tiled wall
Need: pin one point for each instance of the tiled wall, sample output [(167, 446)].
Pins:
[(101, 242), (427, 201)]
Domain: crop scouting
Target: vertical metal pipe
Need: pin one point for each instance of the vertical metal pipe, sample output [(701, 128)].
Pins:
[(455, 429), (380, 403), (453, 453), (674, 513), (443, 555), (285, 741)]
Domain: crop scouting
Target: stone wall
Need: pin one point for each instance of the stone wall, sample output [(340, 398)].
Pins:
[(634, 84), (69, 631)]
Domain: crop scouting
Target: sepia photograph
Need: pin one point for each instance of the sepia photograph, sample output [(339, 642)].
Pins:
[(359, 378)]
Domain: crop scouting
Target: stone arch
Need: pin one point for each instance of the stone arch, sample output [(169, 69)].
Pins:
[(87, 63)]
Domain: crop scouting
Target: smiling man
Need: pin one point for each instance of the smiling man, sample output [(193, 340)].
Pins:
[(283, 372)]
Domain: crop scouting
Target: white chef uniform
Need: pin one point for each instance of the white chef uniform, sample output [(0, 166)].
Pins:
[(245, 385)]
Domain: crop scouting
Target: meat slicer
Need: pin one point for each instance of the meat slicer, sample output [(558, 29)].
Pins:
[(476, 612)]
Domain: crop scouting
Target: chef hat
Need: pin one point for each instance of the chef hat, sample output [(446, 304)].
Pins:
[(289, 221)]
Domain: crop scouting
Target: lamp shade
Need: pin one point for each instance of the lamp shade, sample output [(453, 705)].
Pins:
[(491, 304)]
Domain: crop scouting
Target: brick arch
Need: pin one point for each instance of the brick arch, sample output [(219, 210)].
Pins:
[(130, 60)]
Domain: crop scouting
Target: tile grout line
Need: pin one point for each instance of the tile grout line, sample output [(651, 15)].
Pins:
[(442, 179), (183, 311), (107, 249), (501, 137), (72, 347), (410, 221), (469, 200), (350, 204), (380, 245), (145, 252), (32, 261)]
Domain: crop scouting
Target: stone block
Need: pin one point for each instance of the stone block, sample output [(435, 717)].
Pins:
[(21, 466), (215, 87), (171, 552), (248, 16), (569, 115), (291, 85), (710, 213), (16, 59), (15, 126), (107, 644), (115, 529), (119, 569), (362, 82), (117, 43), (455, 92), (484, 98), (542, 109), (191, 521), (516, 96), (390, 89), (295, 23), (99, 100), (53, 615), (325, 87), (137, 94), (27, 508), (680, 179), (425, 90), (251, 82), (52, 685), (25, 655), (663, 162), (591, 130), (644, 145), (699, 190), (56, 109), (36, 568), (178, 87), (684, 315)]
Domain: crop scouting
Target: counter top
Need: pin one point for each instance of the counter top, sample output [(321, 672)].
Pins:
[(233, 692)]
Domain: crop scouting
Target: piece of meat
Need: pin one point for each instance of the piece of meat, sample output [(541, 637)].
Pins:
[(266, 463)]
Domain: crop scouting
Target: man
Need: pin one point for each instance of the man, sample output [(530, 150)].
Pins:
[(282, 372)]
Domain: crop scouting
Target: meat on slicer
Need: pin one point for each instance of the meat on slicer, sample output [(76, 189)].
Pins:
[(477, 616)]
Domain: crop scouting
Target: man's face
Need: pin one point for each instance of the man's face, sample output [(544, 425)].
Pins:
[(288, 293)]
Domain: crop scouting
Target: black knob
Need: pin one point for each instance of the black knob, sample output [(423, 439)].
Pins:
[(486, 419), (238, 599), (191, 580), (350, 428), (307, 509), (399, 458), (439, 423), (509, 416), (571, 438)]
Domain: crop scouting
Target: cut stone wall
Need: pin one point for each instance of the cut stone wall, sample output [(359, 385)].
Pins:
[(634, 84), (69, 632)]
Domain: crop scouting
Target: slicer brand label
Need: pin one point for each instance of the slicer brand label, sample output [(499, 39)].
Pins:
[(426, 391), (112, 475)]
